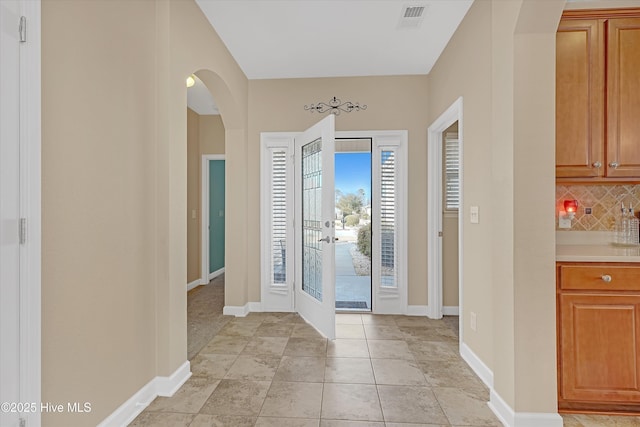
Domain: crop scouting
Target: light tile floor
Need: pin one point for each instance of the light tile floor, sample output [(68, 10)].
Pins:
[(273, 369)]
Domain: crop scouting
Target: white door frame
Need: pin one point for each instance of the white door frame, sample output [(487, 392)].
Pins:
[(434, 211), (30, 209), (279, 298), (205, 276)]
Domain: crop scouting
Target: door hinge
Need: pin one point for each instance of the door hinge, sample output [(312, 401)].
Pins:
[(23, 231), (23, 422), (23, 29)]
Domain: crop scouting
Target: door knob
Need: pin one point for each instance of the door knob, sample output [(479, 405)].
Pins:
[(597, 164), (606, 278), (614, 164), (326, 240)]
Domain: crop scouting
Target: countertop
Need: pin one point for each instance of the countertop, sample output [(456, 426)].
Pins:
[(597, 253), (592, 246)]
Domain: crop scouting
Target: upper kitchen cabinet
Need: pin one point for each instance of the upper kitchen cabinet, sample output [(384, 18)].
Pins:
[(580, 98), (598, 96), (623, 97)]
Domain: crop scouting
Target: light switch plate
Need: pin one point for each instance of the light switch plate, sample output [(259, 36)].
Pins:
[(474, 215)]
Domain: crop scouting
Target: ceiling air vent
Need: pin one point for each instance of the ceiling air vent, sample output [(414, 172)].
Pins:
[(412, 16), (413, 11)]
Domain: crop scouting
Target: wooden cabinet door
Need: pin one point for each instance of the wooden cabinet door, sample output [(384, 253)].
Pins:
[(580, 98), (600, 348), (623, 98)]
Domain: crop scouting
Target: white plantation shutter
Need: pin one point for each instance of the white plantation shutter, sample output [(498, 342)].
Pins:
[(389, 219), (276, 222), (451, 172), (387, 236), (278, 216)]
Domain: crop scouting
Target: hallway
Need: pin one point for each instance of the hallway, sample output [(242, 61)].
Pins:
[(273, 369)]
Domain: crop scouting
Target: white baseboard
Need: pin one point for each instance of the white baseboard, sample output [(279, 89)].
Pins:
[(159, 386), (417, 310), (167, 386), (451, 310), (500, 408), (216, 273), (521, 419), (193, 284), (478, 366), (242, 311), (236, 310)]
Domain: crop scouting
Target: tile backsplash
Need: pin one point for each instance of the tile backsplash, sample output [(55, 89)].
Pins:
[(604, 201)]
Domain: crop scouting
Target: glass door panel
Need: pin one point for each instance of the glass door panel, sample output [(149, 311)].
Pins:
[(315, 206)]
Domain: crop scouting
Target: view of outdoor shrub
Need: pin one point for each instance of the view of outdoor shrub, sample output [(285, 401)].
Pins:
[(364, 240), (352, 220)]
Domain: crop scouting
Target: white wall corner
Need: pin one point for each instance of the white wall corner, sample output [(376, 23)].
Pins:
[(417, 310), (159, 386), (451, 310), (478, 366)]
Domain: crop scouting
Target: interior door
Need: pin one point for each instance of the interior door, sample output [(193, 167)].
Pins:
[(315, 226), (9, 212)]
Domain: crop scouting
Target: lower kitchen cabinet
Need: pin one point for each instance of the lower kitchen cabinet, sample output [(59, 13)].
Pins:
[(598, 337)]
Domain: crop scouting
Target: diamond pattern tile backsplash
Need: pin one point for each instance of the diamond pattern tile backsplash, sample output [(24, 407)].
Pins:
[(604, 200)]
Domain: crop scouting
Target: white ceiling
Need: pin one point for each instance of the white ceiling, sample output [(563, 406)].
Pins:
[(332, 38), (276, 39)]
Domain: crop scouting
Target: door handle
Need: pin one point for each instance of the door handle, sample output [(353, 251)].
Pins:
[(326, 240)]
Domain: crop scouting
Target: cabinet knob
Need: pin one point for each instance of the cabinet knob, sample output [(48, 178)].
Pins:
[(596, 164), (614, 164), (606, 278)]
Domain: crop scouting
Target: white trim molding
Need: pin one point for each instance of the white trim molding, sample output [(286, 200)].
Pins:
[(193, 284), (434, 208), (204, 215), (496, 403), (521, 419), (451, 310), (479, 367), (242, 310), (159, 386), (417, 310), (215, 274)]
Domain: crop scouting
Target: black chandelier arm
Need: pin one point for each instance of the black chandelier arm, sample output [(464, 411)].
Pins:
[(335, 106)]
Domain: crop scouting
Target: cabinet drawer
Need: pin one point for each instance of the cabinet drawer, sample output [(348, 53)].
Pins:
[(600, 277)]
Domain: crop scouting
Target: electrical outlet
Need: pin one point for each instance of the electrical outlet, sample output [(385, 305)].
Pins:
[(564, 221), (473, 320)]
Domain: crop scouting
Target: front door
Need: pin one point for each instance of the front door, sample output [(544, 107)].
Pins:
[(315, 226)]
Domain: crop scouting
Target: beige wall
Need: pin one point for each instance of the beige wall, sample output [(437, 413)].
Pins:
[(211, 135), (193, 196), (205, 135), (392, 103), (114, 193), (508, 258)]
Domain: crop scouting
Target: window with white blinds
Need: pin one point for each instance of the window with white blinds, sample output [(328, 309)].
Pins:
[(388, 213), (451, 172), (279, 216)]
